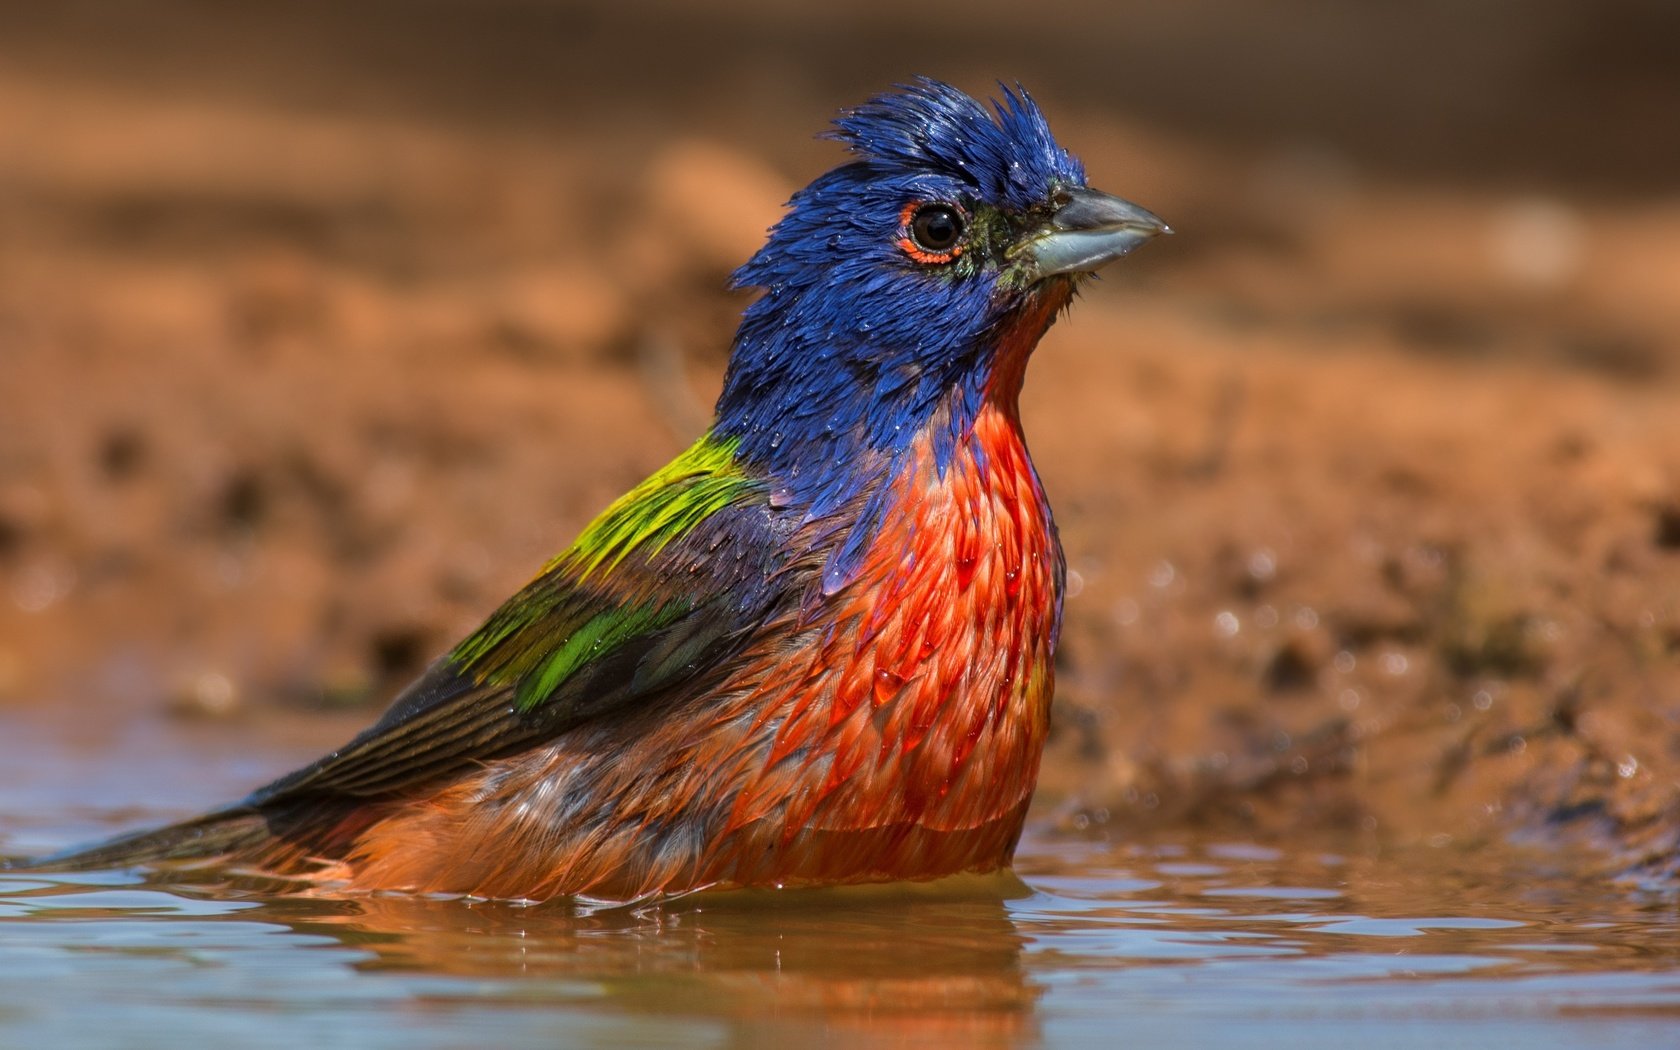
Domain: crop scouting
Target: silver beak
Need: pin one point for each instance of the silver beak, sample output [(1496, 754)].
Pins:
[(1091, 229)]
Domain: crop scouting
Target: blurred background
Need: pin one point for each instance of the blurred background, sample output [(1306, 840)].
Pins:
[(323, 325)]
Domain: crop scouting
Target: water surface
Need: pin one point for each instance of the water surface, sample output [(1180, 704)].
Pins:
[(1172, 941)]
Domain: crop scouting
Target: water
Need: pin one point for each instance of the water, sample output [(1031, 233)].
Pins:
[(1172, 941), (1096, 945)]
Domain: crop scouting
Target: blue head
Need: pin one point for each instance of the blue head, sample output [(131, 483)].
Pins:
[(892, 281)]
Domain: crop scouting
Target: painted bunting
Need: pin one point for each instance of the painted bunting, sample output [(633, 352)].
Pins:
[(816, 648)]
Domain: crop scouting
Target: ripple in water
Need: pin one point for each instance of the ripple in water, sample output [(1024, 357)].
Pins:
[(1093, 945)]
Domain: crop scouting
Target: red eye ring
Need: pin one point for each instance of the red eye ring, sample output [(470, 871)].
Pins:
[(931, 231)]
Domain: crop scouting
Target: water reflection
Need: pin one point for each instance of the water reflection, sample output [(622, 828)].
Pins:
[(936, 963), (930, 965), (1097, 944)]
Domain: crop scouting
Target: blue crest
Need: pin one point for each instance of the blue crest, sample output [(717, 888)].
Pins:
[(1007, 153)]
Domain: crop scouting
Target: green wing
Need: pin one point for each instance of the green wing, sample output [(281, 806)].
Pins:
[(537, 641), (659, 590)]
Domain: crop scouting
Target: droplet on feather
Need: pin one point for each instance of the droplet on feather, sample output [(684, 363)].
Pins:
[(887, 685)]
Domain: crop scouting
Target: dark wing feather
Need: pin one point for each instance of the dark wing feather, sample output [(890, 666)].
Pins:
[(715, 585), (647, 607)]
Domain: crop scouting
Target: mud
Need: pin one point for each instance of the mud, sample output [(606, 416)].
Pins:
[(320, 330)]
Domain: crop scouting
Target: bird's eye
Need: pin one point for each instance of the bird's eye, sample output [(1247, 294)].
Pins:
[(936, 227), (933, 232)]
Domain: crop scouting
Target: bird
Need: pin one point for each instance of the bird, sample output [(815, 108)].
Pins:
[(816, 648)]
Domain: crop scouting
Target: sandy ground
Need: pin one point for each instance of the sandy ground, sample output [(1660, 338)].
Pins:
[(1369, 478)]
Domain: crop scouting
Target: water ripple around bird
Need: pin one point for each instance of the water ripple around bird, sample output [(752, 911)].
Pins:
[(1094, 944)]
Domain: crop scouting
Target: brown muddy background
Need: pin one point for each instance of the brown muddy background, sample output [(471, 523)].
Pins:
[(323, 325)]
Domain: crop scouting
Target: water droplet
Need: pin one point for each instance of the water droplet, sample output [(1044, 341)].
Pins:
[(39, 585), (887, 686), (1226, 624)]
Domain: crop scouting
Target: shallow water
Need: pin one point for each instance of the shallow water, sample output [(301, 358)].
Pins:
[(1185, 941), (1096, 946)]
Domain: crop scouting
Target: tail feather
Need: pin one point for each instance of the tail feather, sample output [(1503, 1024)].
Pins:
[(223, 833), (295, 839)]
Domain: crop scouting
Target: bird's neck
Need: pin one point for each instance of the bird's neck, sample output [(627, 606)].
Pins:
[(833, 427), (826, 418)]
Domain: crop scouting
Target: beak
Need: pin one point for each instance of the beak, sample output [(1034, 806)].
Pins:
[(1091, 229)]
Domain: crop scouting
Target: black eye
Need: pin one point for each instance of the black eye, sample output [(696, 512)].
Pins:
[(936, 227)]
